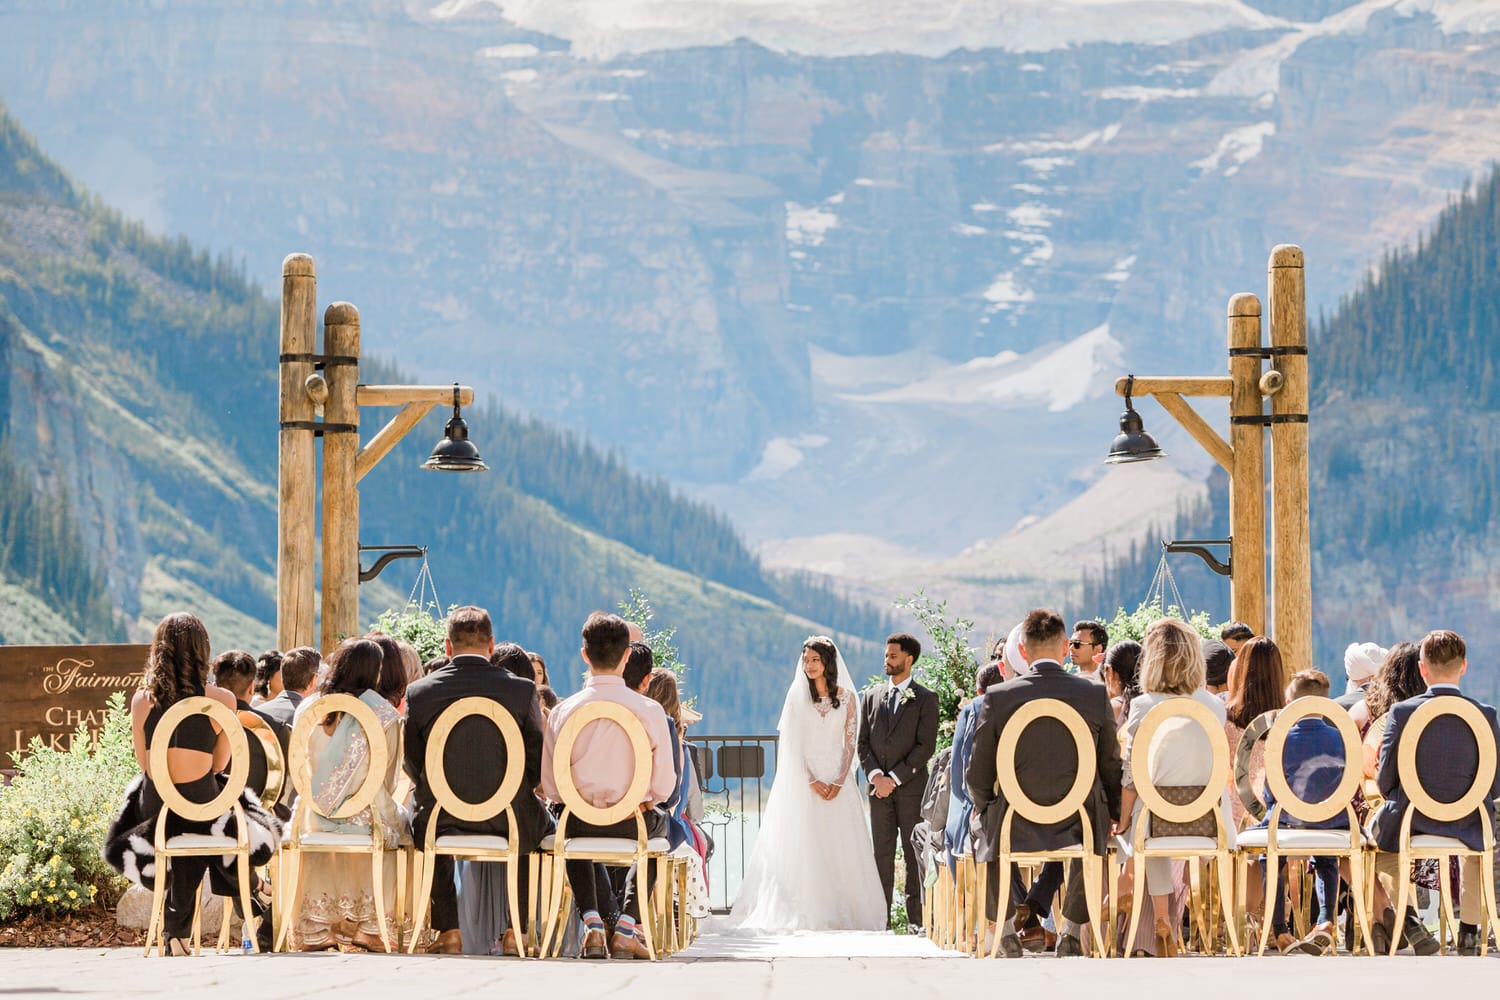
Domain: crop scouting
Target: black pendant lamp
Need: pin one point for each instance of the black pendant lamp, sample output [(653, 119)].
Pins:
[(1132, 444), (455, 452)]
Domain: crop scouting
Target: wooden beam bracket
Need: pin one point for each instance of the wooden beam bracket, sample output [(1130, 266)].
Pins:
[(1195, 425)]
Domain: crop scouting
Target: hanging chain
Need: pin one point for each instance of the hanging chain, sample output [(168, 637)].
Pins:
[(419, 589)]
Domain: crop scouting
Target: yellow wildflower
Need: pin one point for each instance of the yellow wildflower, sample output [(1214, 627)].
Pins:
[(72, 893), (52, 884), (34, 894), (51, 899), (93, 891), (75, 824)]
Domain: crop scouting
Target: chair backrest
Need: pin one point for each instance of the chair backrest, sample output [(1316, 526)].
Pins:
[(1244, 781), (239, 759), (1078, 796), (1477, 797), (607, 712), (1140, 761), (1342, 797), (437, 742), (263, 741), (301, 764)]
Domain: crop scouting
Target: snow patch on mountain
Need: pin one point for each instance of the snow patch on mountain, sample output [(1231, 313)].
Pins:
[(783, 454), (1236, 148), (603, 29)]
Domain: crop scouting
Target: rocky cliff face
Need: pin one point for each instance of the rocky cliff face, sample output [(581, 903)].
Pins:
[(738, 264)]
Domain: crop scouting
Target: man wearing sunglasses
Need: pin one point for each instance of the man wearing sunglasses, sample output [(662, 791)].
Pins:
[(1086, 649)]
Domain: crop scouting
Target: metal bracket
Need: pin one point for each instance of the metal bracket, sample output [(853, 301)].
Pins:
[(392, 553), (1199, 548), (1267, 419)]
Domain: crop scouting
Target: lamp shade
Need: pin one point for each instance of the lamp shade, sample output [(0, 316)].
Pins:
[(1133, 444), (455, 452)]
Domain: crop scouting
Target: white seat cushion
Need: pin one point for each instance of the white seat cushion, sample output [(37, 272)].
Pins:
[(320, 838), (1187, 845), (1434, 842), (472, 842), (606, 845), (1296, 840), (200, 841)]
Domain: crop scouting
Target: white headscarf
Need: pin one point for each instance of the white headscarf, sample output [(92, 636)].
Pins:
[(1013, 658), (1362, 662)]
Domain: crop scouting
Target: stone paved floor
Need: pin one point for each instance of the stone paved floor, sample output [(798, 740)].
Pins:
[(816, 966)]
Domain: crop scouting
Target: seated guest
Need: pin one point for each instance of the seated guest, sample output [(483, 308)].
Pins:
[(1086, 649), (177, 667), (338, 895), (1046, 764), (1171, 667), (601, 766), (956, 833), (638, 667), (1362, 662), (1236, 634), (1254, 688), (299, 678), (539, 665), (267, 676), (474, 763), (1216, 661), (1120, 677), (1313, 762), (1399, 679), (1448, 762), (662, 689), (549, 699), (511, 657), (234, 671), (434, 664)]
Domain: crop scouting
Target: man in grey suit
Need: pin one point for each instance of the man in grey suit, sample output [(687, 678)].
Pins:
[(1448, 763), (897, 736), (1046, 764)]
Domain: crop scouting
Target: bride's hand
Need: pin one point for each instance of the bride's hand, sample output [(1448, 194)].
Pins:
[(833, 791)]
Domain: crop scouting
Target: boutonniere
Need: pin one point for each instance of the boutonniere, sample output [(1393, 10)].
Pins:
[(908, 696)]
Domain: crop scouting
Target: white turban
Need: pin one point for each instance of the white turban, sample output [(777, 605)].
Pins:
[(1362, 661), (1013, 658)]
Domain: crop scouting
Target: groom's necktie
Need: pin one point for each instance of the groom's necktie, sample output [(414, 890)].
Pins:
[(892, 699)]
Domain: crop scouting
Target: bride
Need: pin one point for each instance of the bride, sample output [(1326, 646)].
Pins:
[(813, 866)]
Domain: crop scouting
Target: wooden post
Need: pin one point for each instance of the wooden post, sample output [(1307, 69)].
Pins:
[(295, 534), (1247, 473), (1291, 554), (340, 492)]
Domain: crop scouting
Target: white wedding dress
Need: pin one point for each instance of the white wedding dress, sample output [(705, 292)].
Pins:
[(813, 867)]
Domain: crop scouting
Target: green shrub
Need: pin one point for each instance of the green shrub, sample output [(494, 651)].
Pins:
[(947, 662), (638, 609), (55, 814)]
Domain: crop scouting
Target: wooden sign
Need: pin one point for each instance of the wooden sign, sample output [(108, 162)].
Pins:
[(47, 691)]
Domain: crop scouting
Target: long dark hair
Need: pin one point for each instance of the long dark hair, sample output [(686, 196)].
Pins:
[(1255, 682), (392, 682), (177, 666), (1399, 678), (1123, 659), (353, 668), (829, 654)]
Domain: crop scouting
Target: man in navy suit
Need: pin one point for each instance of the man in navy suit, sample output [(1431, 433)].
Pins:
[(1447, 761), (960, 803)]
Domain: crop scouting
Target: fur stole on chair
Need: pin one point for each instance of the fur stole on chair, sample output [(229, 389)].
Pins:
[(130, 846)]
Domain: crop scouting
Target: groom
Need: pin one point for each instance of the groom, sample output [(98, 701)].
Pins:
[(897, 735)]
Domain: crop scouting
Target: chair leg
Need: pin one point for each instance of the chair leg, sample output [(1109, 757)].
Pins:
[(247, 913), (1195, 906), (643, 897), (423, 902), (513, 898), (1273, 874), (1138, 896), (1403, 887), (554, 918), (1487, 875), (401, 894), (290, 896), (1093, 892), (377, 875), (1002, 900), (1359, 907), (197, 917), (1226, 884), (156, 928)]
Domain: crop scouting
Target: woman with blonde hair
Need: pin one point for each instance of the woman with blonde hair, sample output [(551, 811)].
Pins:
[(1171, 667)]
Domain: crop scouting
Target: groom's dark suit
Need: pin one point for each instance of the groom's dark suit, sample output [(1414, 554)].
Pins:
[(897, 736), (474, 762)]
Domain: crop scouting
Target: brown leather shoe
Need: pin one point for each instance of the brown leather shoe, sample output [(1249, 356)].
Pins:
[(593, 946), (508, 944), (622, 946), (1037, 938), (447, 943)]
